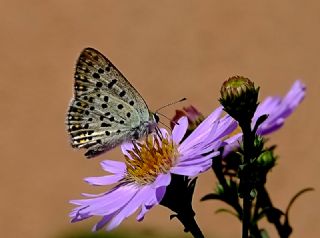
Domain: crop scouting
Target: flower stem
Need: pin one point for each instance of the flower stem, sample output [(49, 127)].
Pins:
[(245, 178), (191, 225), (246, 216), (178, 198)]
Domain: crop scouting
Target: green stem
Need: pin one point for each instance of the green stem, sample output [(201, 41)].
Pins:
[(246, 217), (190, 225), (245, 179)]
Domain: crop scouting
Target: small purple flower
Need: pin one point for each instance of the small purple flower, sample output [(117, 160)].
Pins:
[(142, 179), (277, 109)]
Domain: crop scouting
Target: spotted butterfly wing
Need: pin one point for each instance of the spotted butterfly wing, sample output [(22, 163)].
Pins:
[(106, 109)]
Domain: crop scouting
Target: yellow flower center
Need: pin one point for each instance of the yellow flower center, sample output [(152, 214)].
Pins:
[(150, 159)]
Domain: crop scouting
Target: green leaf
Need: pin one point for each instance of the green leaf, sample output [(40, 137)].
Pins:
[(212, 196), (298, 194), (227, 211)]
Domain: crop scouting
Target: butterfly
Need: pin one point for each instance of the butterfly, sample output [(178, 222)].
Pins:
[(106, 110)]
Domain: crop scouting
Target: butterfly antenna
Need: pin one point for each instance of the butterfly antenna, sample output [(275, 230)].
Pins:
[(165, 125), (181, 100), (166, 118)]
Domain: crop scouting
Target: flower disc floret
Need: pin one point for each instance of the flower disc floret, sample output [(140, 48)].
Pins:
[(148, 160)]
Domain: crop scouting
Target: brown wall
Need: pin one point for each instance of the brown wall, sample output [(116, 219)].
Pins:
[(168, 50)]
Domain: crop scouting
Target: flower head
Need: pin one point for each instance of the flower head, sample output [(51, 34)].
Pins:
[(239, 98), (142, 179)]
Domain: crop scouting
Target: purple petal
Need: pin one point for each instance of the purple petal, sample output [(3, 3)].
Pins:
[(162, 180), (191, 170), (296, 94), (142, 213), (180, 129), (200, 147), (102, 222), (233, 143), (113, 201), (104, 180), (144, 210), (211, 138), (278, 109), (293, 98), (197, 160), (201, 131), (130, 207), (125, 147), (267, 129), (107, 203), (112, 166), (226, 125), (151, 201), (164, 133), (234, 139), (160, 192), (75, 217), (267, 106), (92, 195)]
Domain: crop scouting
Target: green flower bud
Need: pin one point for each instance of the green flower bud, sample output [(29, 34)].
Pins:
[(266, 160), (239, 98)]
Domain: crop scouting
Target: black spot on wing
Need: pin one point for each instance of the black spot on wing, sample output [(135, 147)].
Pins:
[(112, 83)]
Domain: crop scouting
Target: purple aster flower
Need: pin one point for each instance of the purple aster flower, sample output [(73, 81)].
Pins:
[(142, 179), (277, 109)]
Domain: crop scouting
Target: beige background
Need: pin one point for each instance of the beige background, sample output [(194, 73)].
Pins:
[(168, 50)]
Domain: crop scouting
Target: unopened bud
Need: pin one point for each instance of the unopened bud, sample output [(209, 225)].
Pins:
[(239, 98)]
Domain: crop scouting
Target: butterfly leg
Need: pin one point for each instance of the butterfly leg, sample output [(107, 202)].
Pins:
[(158, 132)]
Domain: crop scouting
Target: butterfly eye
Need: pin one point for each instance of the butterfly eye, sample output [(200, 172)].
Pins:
[(156, 118)]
